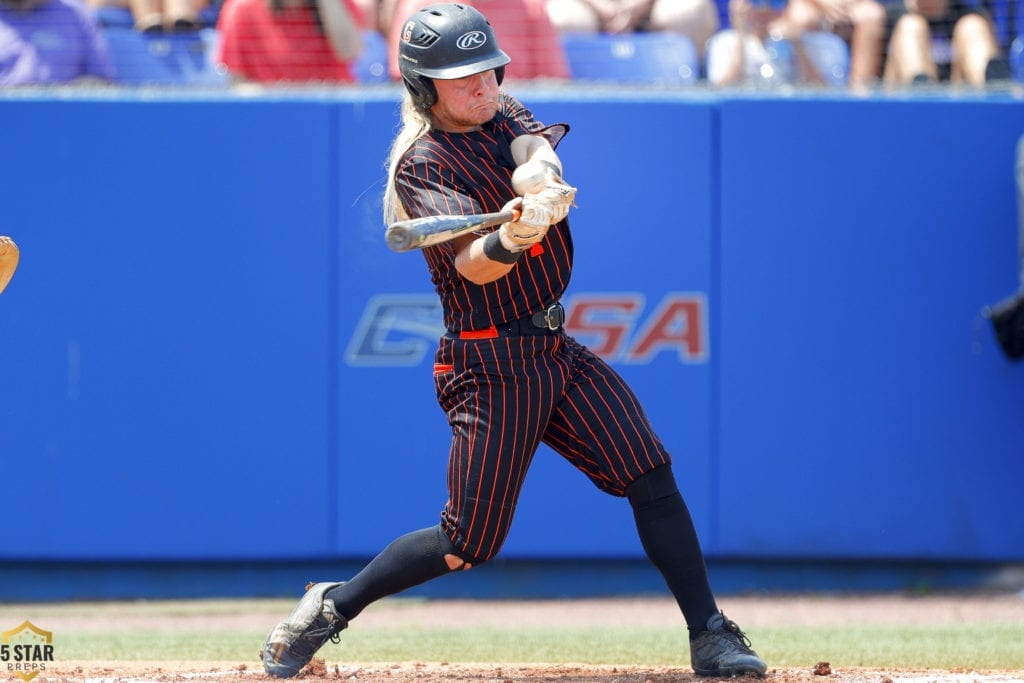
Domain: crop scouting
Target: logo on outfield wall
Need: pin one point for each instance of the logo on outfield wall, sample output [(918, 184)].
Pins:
[(402, 329), (26, 651)]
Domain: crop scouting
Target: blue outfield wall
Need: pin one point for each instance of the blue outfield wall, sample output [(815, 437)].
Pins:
[(211, 355)]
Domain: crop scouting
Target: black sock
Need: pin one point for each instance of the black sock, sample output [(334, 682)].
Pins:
[(409, 561), (670, 541)]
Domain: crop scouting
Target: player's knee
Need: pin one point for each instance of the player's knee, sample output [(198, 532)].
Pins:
[(652, 486), (456, 563), (458, 560)]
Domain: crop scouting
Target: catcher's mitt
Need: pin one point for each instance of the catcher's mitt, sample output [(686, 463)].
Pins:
[(8, 260)]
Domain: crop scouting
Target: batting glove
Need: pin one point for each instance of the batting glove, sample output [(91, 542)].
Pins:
[(556, 195), (530, 228)]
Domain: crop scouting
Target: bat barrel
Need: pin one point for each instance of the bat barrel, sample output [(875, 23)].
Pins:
[(417, 233), (399, 238)]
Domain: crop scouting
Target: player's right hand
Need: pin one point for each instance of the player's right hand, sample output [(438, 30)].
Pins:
[(554, 194), (547, 207)]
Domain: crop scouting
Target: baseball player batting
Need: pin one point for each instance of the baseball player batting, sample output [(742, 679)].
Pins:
[(505, 372)]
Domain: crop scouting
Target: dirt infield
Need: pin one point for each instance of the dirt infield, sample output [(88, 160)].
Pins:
[(752, 612), (426, 672)]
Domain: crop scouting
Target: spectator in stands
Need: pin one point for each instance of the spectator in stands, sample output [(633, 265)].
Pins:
[(861, 23), (942, 40), (695, 19), (50, 41), (761, 48), (157, 16), (377, 14), (522, 28), (297, 41)]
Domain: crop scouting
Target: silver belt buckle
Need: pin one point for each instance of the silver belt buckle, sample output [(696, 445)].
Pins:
[(554, 316)]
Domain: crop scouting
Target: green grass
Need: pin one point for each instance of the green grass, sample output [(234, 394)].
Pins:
[(974, 646), (977, 646)]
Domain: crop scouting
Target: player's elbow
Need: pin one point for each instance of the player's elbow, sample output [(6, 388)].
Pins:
[(481, 278), (474, 266)]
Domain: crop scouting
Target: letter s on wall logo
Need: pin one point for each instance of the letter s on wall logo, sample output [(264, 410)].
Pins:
[(618, 327), (402, 329)]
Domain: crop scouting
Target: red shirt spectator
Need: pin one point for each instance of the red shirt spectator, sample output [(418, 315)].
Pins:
[(284, 43), (522, 28)]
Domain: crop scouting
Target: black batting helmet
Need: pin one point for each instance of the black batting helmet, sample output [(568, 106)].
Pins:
[(446, 41)]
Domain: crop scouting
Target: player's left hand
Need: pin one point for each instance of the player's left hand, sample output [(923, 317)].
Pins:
[(521, 234)]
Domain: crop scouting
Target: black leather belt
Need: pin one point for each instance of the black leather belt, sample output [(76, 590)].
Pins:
[(547, 321), (550, 319)]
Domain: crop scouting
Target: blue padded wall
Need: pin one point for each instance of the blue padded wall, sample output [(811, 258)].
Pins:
[(213, 356)]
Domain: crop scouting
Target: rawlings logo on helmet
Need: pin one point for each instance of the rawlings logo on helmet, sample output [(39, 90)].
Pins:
[(471, 40)]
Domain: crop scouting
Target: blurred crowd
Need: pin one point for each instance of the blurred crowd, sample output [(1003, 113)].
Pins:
[(731, 43)]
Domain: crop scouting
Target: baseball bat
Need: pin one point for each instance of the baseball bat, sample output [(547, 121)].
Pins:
[(416, 233)]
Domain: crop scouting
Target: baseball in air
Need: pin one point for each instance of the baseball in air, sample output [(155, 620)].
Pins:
[(529, 177)]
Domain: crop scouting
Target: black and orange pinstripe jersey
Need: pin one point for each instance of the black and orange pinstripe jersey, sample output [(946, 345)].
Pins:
[(466, 173)]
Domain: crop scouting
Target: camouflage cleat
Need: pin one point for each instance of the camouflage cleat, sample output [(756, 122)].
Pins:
[(293, 642), (724, 650)]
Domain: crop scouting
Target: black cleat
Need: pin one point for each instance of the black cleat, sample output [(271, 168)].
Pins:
[(293, 642), (724, 650)]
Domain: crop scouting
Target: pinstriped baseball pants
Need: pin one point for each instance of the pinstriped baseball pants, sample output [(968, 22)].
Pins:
[(504, 396)]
